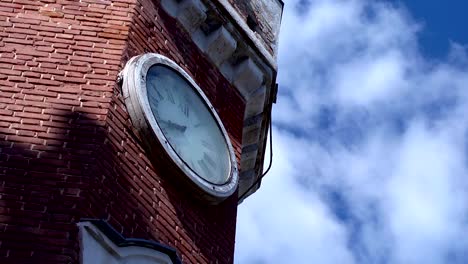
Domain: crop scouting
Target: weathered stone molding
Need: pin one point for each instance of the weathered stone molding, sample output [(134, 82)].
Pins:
[(100, 243)]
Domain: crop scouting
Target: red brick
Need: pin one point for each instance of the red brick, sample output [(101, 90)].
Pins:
[(25, 139), (70, 79), (40, 92), (31, 16), (44, 82), (32, 115), (9, 118), (62, 101), (49, 65), (48, 29), (32, 63), (26, 133), (9, 72), (32, 74), (20, 68), (96, 88), (16, 79), (24, 57), (29, 127), (15, 107), (75, 68), (7, 131), (5, 112), (29, 121), (31, 51), (18, 41), (52, 60), (20, 30)]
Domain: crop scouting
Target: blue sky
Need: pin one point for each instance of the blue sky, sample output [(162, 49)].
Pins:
[(370, 137), (443, 23)]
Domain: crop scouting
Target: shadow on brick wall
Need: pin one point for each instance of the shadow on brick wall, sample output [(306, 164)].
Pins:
[(44, 174)]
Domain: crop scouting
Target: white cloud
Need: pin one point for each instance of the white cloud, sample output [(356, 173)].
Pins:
[(425, 196), (373, 79), (276, 240), (370, 144)]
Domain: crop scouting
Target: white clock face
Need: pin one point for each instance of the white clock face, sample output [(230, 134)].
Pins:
[(188, 124)]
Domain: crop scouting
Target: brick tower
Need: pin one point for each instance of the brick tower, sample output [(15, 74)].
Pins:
[(96, 97)]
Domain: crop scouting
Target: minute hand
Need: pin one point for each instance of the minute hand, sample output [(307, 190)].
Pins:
[(174, 125)]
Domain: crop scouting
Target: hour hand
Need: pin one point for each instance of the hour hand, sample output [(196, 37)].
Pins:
[(173, 125)]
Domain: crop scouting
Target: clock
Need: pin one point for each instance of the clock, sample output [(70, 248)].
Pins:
[(175, 116)]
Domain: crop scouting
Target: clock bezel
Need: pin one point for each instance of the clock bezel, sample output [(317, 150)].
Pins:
[(139, 109)]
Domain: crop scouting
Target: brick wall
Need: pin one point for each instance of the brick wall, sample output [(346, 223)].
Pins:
[(68, 149)]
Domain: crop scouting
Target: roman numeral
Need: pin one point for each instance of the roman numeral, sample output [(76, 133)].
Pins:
[(207, 145), (154, 98), (161, 97), (206, 170), (185, 109), (209, 160), (170, 96), (154, 93)]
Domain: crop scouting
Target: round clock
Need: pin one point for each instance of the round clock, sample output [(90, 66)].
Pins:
[(166, 105)]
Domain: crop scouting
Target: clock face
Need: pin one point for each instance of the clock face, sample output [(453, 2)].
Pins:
[(188, 124)]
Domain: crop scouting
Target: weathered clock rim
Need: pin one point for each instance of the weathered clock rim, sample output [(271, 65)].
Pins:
[(136, 99)]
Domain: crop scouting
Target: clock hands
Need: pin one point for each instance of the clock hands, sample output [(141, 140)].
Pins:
[(169, 123)]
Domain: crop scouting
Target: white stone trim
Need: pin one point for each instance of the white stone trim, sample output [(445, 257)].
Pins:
[(248, 77), (240, 21), (220, 45), (97, 248), (191, 14)]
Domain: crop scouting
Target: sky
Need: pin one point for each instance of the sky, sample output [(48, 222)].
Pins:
[(370, 137), (443, 22)]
